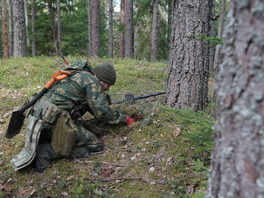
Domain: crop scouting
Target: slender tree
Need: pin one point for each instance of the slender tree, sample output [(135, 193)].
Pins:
[(188, 65), (53, 26), (122, 34), (110, 29), (222, 16), (33, 28), (154, 32), (59, 26), (237, 161), (5, 29), (19, 28), (129, 32), (11, 27), (94, 31)]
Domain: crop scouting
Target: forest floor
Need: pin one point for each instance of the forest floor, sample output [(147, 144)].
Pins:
[(165, 154)]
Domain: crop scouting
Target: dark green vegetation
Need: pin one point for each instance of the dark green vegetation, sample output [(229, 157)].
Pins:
[(164, 154)]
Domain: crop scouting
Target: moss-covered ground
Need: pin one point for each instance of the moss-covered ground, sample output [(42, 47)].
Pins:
[(165, 154)]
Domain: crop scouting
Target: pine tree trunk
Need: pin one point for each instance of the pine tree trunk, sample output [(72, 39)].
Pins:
[(53, 26), (59, 27), (129, 43), (89, 27), (94, 31), (238, 156), (5, 29), (154, 35), (122, 34), (26, 21), (110, 29), (33, 28), (220, 33), (11, 28), (19, 28), (188, 64)]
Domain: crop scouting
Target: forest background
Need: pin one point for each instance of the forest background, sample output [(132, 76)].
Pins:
[(186, 37)]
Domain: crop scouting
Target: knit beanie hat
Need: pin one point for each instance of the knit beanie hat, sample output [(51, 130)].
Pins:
[(106, 73)]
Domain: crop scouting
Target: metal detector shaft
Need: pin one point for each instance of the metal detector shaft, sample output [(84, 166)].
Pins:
[(131, 99)]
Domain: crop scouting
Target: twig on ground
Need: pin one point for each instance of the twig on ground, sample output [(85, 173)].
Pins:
[(121, 179)]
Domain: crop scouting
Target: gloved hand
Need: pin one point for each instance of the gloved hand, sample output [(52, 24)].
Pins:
[(129, 121)]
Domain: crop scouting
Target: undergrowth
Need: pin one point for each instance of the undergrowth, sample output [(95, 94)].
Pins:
[(166, 153)]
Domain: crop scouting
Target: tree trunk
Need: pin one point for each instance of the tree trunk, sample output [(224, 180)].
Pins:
[(122, 34), (129, 43), (110, 29), (5, 29), (33, 28), (188, 63), (89, 27), (26, 22), (94, 31), (238, 156), (19, 28), (11, 28), (53, 26), (220, 33), (59, 27), (154, 34)]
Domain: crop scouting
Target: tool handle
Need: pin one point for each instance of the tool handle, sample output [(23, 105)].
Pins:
[(59, 75), (65, 61)]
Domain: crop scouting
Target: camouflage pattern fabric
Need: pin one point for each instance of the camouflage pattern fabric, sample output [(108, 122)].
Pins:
[(81, 91)]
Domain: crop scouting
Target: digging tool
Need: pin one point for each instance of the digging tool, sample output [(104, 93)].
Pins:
[(17, 117), (65, 61), (130, 99)]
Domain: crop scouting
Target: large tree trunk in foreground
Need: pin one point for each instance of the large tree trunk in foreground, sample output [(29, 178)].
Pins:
[(238, 156)]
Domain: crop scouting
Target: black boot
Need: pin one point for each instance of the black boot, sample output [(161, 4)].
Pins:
[(44, 157)]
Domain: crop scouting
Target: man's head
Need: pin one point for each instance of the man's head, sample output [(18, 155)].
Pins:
[(105, 72)]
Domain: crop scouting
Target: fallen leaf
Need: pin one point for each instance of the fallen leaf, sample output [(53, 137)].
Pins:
[(177, 131)]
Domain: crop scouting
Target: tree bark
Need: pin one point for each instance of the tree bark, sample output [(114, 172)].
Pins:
[(19, 28), (220, 33), (154, 33), (53, 26), (5, 29), (94, 31), (122, 34), (110, 29), (59, 27), (129, 41), (33, 28), (238, 156), (11, 28), (187, 83)]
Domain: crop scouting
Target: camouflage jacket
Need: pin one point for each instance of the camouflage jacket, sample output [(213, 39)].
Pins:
[(83, 89)]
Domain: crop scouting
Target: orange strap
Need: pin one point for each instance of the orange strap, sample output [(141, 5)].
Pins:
[(59, 75)]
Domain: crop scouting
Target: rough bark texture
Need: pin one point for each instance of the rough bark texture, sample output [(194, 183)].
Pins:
[(188, 63), (154, 33), (129, 41), (5, 29), (19, 28), (238, 157), (94, 31)]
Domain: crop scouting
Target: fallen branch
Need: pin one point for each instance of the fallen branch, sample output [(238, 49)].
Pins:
[(121, 179), (108, 163)]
